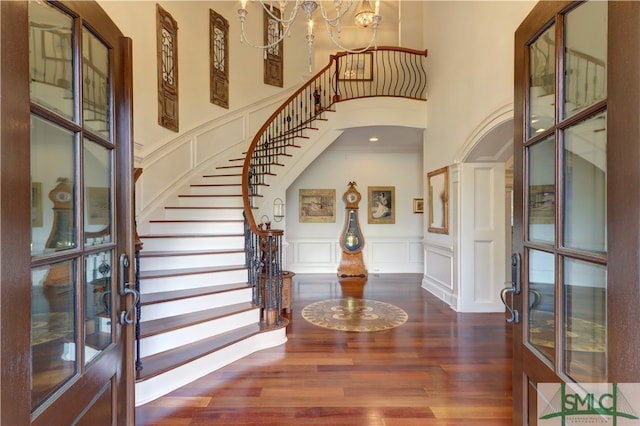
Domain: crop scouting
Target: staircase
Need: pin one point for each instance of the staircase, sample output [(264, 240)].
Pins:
[(196, 304), (210, 275)]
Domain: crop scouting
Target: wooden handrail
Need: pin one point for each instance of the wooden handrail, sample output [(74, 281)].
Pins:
[(385, 71), (330, 69)]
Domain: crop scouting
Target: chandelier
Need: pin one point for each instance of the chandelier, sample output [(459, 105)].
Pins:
[(366, 17)]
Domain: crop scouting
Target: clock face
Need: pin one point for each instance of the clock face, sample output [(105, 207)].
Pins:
[(63, 196), (352, 198)]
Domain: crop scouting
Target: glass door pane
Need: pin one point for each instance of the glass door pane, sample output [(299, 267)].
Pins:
[(53, 200), (96, 85), (585, 185), (53, 328), (542, 83), (542, 191), (585, 59), (97, 193), (542, 303), (585, 319), (51, 58)]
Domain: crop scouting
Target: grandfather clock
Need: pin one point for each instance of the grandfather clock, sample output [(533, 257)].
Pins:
[(62, 234), (351, 239)]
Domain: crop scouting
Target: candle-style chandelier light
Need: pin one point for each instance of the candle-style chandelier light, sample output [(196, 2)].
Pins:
[(366, 17)]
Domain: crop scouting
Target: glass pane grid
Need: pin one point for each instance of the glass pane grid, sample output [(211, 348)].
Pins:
[(53, 329)]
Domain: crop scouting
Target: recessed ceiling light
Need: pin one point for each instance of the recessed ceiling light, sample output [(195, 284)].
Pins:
[(373, 139)]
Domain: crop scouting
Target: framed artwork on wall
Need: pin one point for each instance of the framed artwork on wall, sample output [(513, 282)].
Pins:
[(542, 204), (418, 205), (317, 205), (36, 204), (438, 184), (381, 204)]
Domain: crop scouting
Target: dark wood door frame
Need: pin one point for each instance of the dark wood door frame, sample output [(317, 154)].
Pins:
[(15, 204), (623, 203)]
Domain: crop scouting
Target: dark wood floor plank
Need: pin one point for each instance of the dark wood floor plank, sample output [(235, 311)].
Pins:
[(440, 368)]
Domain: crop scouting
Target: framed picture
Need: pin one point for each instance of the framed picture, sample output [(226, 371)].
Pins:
[(381, 207), (36, 204), (418, 205), (542, 204), (438, 184), (317, 205), (98, 206), (355, 67)]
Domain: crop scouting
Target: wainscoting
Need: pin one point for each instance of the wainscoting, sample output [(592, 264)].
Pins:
[(381, 255)]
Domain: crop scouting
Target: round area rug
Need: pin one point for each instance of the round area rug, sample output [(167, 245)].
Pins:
[(354, 315)]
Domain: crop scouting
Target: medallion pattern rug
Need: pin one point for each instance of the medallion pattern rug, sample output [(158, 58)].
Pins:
[(357, 315)]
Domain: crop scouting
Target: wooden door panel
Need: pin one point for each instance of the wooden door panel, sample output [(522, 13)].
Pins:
[(575, 298), (96, 388)]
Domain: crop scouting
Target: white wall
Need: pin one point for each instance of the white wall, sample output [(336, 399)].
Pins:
[(137, 20), (470, 69), (314, 247)]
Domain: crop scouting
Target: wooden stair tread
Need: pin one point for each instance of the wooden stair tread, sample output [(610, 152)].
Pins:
[(213, 185), (164, 361), (190, 235), (204, 207), (223, 175), (167, 296), (189, 271), (163, 325), (195, 220), (208, 195), (172, 253)]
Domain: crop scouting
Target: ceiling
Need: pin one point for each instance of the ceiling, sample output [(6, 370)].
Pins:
[(390, 139)]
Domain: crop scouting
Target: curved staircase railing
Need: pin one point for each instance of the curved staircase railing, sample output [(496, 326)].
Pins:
[(385, 71)]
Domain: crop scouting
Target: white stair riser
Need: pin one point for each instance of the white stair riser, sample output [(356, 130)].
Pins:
[(152, 285), (194, 304), (235, 227), (231, 201), (193, 243), (162, 384), (191, 261), (222, 179), (215, 190), (204, 214), (183, 336)]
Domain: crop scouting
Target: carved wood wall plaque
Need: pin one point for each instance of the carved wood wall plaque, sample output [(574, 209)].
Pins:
[(167, 39), (219, 59), (273, 59)]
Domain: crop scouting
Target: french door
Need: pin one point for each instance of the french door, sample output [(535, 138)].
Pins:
[(67, 221), (576, 231)]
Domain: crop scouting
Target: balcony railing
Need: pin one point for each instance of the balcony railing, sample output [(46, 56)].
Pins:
[(385, 71)]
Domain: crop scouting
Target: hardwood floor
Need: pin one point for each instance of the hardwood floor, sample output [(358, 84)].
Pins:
[(439, 368)]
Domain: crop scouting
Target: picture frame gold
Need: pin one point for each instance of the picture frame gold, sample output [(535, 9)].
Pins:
[(438, 185), (542, 199), (317, 206), (418, 205), (381, 205), (98, 206), (356, 67), (36, 204)]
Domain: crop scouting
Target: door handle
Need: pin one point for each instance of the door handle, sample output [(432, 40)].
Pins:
[(125, 290), (514, 315)]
